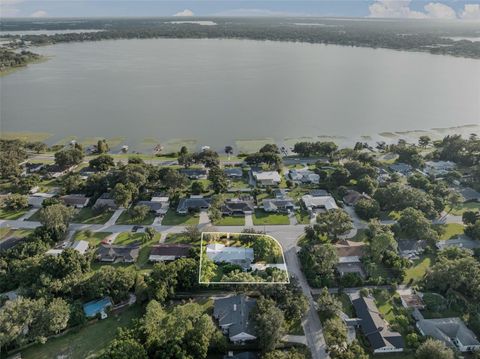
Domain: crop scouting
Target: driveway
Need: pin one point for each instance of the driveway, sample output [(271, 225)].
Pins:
[(248, 220), (204, 220)]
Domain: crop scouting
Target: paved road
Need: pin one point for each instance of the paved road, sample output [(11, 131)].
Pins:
[(287, 235)]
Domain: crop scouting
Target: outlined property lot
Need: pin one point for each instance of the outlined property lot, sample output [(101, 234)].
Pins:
[(241, 258)]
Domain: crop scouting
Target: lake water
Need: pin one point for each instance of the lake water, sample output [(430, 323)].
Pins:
[(217, 91)]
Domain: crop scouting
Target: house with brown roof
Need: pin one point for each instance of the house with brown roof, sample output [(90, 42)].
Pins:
[(349, 257), (169, 252), (352, 197)]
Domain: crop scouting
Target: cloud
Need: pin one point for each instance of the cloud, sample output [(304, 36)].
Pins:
[(439, 11), (401, 9), (186, 12), (470, 12), (256, 12), (39, 13), (8, 8)]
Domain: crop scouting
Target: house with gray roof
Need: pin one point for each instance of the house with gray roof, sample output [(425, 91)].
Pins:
[(375, 328), (237, 207), (194, 173), (157, 205), (233, 172), (279, 205), (76, 200), (401, 168), (266, 178), (452, 331), (118, 253), (193, 204), (105, 201), (469, 194), (233, 316)]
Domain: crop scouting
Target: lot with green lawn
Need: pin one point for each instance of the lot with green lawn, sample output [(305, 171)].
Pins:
[(416, 272), (4, 214), (173, 219), (303, 217), (86, 342), (126, 238), (180, 238), (451, 230), (460, 209), (126, 218), (93, 238), (230, 221), (89, 216), (261, 218)]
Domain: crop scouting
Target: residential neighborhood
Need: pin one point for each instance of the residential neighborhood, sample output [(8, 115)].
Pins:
[(259, 254)]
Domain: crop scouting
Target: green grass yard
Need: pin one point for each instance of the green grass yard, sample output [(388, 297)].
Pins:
[(303, 217), (89, 216), (173, 219), (86, 342), (125, 218), (459, 210), (93, 239), (452, 230), (415, 273), (11, 215), (261, 218), (126, 238), (230, 221), (180, 238)]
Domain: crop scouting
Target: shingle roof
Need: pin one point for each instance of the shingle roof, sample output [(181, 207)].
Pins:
[(374, 327), (187, 204), (447, 329), (112, 252), (177, 250), (234, 312)]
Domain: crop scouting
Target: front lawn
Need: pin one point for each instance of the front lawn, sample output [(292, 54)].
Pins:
[(180, 238), (89, 216), (303, 217), (126, 238), (384, 301), (173, 219), (460, 209), (86, 342), (93, 238), (262, 218), (452, 230), (126, 218), (417, 271), (4, 214), (230, 221)]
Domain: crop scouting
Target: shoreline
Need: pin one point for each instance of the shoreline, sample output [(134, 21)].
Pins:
[(11, 70)]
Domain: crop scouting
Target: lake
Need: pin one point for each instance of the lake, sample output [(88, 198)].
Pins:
[(219, 91)]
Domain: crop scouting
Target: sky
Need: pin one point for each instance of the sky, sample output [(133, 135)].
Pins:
[(412, 9)]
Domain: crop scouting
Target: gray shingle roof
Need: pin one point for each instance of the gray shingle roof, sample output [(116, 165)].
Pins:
[(234, 312), (374, 327), (447, 329)]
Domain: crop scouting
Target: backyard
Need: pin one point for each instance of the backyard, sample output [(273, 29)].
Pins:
[(416, 272), (86, 342)]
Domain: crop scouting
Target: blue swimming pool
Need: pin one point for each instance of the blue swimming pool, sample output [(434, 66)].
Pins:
[(94, 307)]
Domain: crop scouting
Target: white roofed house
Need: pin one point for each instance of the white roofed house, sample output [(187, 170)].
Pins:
[(266, 178), (241, 256), (233, 317), (315, 204), (303, 176)]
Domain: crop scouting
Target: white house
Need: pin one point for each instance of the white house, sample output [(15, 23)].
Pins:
[(218, 252), (266, 178)]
